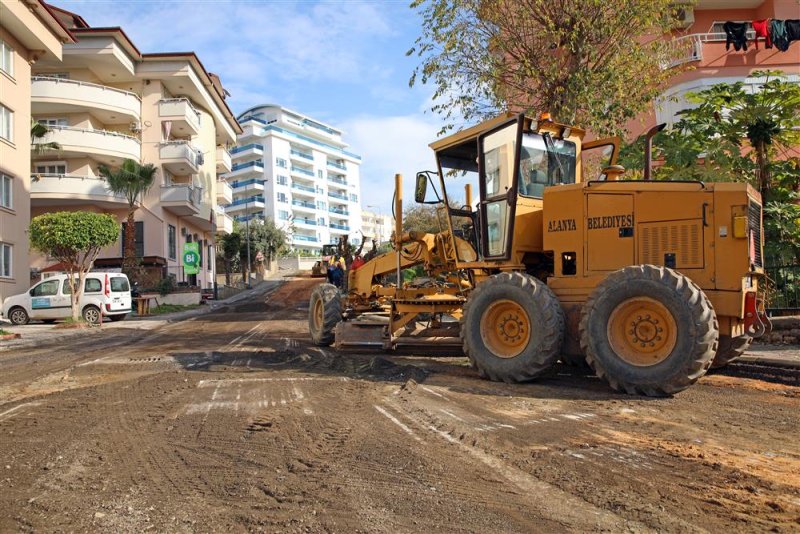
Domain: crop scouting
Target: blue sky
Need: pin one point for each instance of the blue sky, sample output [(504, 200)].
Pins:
[(342, 62)]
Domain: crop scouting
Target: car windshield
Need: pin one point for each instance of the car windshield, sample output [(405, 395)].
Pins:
[(119, 284)]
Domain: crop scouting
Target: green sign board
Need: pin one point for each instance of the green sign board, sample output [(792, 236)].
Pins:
[(191, 258)]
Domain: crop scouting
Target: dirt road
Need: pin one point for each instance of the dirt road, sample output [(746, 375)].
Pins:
[(233, 421)]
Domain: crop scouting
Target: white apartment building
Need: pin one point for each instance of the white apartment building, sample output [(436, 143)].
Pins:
[(377, 225), (297, 171)]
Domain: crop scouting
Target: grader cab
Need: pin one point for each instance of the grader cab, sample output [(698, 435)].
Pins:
[(650, 283)]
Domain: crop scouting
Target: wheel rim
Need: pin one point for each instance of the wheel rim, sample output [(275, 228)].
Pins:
[(642, 331), (319, 314), (505, 328), (91, 315), (18, 317)]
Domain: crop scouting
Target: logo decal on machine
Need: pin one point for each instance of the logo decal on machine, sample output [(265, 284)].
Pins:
[(610, 221), (561, 225)]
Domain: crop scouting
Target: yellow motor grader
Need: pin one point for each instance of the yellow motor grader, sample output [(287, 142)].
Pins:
[(558, 256)]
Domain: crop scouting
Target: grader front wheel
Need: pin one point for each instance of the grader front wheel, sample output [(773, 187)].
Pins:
[(649, 330), (512, 328), (324, 313)]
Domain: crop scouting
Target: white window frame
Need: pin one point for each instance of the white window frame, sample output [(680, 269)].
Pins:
[(6, 201), (57, 121), (7, 249), (45, 164), (6, 58), (7, 123)]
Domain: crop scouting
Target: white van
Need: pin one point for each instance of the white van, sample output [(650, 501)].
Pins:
[(108, 294)]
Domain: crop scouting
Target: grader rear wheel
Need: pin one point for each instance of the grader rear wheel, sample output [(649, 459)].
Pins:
[(730, 349), (649, 330), (512, 328), (324, 313)]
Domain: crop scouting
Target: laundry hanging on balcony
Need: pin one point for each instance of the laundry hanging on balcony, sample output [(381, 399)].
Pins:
[(761, 28), (793, 29), (736, 34)]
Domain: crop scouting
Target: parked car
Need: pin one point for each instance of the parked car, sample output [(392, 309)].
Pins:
[(108, 294)]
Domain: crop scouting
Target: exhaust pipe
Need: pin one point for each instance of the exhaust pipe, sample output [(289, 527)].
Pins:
[(648, 148)]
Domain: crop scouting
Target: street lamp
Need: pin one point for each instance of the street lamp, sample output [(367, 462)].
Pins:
[(247, 234)]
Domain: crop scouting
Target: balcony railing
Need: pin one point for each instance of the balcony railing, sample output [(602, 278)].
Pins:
[(339, 211), (303, 155), (341, 166), (223, 160), (310, 222), (183, 199), (248, 200), (224, 192), (239, 166), (340, 181), (244, 183), (337, 195), (297, 237), (300, 170), (72, 186), (80, 141), (309, 205), (68, 93), (691, 46), (181, 112), (310, 189), (243, 148), (339, 226)]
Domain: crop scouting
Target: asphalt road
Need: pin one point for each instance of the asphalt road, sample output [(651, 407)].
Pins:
[(233, 421)]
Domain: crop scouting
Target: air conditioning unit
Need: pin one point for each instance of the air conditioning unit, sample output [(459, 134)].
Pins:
[(136, 126), (684, 16)]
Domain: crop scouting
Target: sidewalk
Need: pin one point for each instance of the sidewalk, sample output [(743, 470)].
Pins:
[(38, 333)]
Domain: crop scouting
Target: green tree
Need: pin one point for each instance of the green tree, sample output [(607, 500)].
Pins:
[(265, 237), (74, 238), (38, 132), (228, 250), (585, 61), (132, 180), (421, 218)]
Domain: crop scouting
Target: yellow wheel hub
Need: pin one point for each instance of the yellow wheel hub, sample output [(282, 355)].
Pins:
[(505, 328), (319, 314), (642, 331)]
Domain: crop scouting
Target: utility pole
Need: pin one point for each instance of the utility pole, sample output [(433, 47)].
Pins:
[(247, 233)]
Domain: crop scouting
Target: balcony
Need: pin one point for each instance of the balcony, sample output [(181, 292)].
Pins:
[(306, 222), (338, 182), (305, 188), (337, 165), (249, 204), (301, 155), (341, 227), (181, 199), (305, 238), (246, 170), (303, 205), (223, 160), (340, 196), (249, 217), (183, 115), (336, 211), (224, 193), (223, 220), (244, 152), (179, 157), (56, 96), (72, 189), (103, 145), (302, 171), (255, 185)]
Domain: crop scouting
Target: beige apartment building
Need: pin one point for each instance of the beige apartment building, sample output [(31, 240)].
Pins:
[(29, 33), (105, 102), (376, 225)]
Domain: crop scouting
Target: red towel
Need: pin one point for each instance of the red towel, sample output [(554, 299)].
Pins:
[(761, 28)]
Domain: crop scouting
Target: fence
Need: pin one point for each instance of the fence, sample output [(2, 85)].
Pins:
[(783, 289)]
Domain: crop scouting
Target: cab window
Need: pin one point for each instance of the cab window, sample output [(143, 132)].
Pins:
[(45, 289), (541, 165)]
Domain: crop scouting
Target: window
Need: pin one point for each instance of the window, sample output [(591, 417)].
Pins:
[(200, 250), (51, 168), (282, 180), (6, 192), (139, 239), (6, 58), (353, 197), (5, 260), (119, 284), (210, 263), (319, 174), (90, 285), (172, 242), (53, 122), (6, 123), (321, 221), (281, 197), (320, 205), (283, 215), (544, 162), (45, 289), (280, 162)]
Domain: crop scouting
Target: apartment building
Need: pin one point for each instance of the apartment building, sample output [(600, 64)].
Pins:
[(297, 171), (377, 226), (703, 41), (105, 102), (29, 33)]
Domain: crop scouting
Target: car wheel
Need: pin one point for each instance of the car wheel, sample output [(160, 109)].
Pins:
[(18, 316), (91, 314)]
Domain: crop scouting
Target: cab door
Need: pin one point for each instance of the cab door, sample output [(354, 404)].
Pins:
[(498, 182)]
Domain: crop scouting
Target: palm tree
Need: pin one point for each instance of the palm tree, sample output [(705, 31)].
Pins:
[(39, 131), (131, 180)]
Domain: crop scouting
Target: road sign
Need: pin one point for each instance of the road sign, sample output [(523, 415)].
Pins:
[(191, 258)]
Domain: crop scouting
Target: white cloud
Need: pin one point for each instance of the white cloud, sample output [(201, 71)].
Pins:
[(390, 145)]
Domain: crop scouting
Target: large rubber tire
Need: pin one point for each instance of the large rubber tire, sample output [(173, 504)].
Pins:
[(532, 351), (730, 349), (687, 334), (91, 314), (574, 360), (324, 313), (18, 316)]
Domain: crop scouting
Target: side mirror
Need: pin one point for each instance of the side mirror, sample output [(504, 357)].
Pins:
[(421, 188)]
